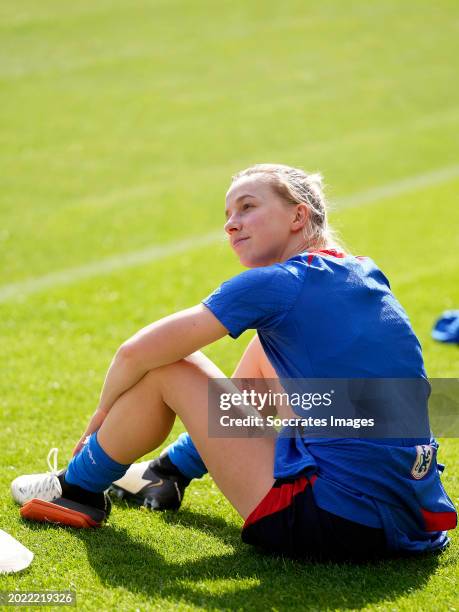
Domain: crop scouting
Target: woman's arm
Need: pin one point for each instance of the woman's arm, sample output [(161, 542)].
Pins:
[(163, 342)]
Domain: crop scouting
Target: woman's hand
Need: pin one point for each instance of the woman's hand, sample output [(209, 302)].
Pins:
[(94, 424)]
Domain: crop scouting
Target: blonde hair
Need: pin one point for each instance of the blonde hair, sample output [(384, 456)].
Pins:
[(295, 186)]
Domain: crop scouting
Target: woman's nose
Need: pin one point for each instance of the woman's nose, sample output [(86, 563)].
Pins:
[(232, 225)]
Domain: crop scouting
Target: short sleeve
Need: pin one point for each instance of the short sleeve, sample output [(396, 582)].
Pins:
[(255, 299)]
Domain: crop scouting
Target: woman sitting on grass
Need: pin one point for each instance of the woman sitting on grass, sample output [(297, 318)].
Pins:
[(319, 313)]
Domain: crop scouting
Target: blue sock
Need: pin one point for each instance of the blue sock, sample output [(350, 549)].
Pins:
[(184, 455), (92, 469)]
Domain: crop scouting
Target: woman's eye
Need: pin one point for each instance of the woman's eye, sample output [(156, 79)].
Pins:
[(246, 206)]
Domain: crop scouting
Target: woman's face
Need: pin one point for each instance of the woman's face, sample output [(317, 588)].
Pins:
[(259, 222)]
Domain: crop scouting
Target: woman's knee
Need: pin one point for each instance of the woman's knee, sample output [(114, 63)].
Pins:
[(196, 364)]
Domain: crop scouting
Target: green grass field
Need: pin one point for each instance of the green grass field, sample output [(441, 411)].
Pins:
[(120, 126)]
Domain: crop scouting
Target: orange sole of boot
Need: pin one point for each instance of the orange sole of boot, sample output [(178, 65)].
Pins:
[(47, 512)]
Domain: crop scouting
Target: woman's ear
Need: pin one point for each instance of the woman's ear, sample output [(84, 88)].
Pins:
[(301, 217)]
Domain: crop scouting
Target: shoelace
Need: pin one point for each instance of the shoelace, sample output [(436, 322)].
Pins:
[(52, 454), (50, 484)]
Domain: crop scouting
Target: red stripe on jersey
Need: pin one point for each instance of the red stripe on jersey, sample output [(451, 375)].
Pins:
[(331, 252)]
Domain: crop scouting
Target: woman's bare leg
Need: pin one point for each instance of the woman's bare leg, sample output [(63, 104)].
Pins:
[(141, 419)]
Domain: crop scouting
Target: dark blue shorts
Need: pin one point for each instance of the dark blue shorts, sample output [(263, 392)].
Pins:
[(288, 522)]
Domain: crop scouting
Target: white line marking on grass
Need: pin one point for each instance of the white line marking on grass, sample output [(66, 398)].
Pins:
[(399, 187), (135, 258), (105, 266)]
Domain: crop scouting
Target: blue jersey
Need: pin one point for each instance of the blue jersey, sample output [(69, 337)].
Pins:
[(325, 314)]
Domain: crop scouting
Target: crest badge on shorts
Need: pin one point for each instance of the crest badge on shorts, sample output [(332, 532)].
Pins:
[(421, 466)]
